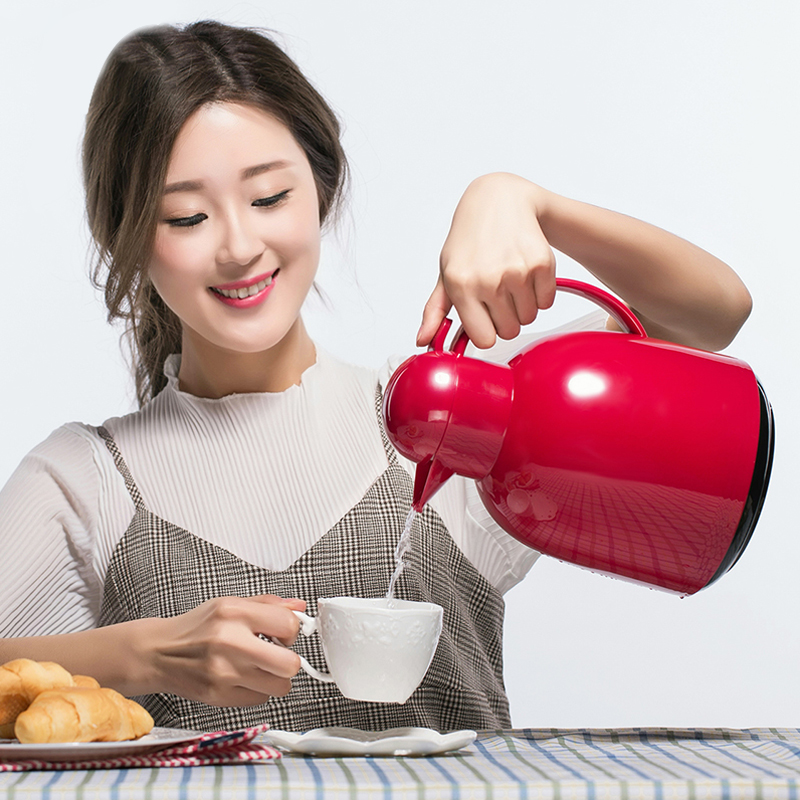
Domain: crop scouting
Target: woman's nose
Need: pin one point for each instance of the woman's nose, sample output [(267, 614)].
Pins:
[(239, 242)]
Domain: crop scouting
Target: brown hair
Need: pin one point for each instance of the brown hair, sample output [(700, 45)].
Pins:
[(150, 85)]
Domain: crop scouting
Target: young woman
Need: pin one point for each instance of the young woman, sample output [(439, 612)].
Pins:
[(161, 551)]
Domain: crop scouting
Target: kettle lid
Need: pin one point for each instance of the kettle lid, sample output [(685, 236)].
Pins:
[(418, 400), (448, 412)]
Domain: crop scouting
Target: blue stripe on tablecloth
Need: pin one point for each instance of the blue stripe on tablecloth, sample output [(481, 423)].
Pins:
[(387, 786), (724, 783), (186, 780), (251, 781), (523, 786), (464, 761), (455, 789), (533, 743), (575, 751), (118, 781), (642, 757), (512, 748), (46, 788), (309, 762), (793, 749), (791, 783), (562, 740), (580, 755), (644, 738), (726, 751), (587, 738), (747, 763)]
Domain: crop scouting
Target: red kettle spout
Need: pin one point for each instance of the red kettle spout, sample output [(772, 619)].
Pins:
[(428, 479), (448, 413)]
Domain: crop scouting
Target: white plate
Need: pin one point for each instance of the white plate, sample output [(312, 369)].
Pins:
[(353, 742), (157, 739)]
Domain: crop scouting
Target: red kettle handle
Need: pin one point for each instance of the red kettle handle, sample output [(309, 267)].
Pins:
[(615, 307)]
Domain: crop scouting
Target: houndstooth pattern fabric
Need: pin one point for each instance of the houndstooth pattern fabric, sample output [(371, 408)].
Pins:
[(161, 570)]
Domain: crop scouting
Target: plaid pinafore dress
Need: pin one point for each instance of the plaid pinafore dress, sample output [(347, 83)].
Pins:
[(160, 570)]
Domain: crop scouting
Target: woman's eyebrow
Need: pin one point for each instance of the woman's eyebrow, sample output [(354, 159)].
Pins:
[(250, 172), (259, 169), (183, 186)]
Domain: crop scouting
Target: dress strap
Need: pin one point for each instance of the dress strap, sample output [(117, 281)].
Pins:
[(391, 454), (122, 467)]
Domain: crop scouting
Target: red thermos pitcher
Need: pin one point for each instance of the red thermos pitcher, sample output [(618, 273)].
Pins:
[(627, 455)]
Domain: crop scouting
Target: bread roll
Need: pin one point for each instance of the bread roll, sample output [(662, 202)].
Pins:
[(82, 715), (22, 680)]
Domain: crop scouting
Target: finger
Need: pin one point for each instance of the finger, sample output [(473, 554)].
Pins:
[(516, 304), (274, 661), (273, 667), (244, 670), (544, 286), (434, 312), (270, 619), (477, 322), (252, 686), (292, 603), (504, 316), (526, 305), (260, 666), (243, 697)]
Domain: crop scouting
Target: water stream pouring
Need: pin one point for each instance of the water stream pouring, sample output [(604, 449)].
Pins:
[(627, 455)]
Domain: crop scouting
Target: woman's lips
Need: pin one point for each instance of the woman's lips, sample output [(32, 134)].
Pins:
[(245, 294)]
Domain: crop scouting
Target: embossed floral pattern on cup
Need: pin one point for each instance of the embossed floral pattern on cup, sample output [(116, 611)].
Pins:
[(377, 649)]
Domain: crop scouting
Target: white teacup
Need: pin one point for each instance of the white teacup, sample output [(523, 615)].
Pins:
[(377, 649)]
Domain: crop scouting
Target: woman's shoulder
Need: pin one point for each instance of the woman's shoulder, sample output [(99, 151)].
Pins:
[(74, 461), (72, 442), (62, 481)]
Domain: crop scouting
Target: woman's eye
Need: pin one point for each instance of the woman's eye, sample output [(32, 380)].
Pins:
[(266, 202), (186, 222)]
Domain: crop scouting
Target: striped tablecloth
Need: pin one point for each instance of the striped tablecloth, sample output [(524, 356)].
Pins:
[(597, 764)]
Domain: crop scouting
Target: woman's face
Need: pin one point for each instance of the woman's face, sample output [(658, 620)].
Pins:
[(238, 238)]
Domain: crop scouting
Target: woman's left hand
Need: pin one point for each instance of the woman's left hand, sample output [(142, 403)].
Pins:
[(496, 266)]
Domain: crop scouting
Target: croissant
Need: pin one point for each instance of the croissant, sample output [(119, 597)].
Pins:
[(80, 714), (22, 680)]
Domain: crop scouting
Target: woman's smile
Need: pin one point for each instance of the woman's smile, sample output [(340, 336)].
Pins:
[(245, 294)]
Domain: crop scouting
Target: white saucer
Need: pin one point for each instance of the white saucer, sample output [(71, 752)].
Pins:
[(353, 742)]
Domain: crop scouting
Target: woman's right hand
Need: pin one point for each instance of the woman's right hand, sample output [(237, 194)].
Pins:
[(217, 654), (496, 266)]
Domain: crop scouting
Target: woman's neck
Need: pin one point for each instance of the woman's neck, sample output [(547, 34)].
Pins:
[(213, 372)]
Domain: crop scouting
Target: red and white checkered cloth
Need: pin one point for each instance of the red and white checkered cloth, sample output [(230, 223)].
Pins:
[(222, 747)]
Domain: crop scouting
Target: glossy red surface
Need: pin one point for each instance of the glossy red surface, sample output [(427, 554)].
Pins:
[(623, 454)]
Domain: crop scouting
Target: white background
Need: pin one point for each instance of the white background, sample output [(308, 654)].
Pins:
[(684, 113)]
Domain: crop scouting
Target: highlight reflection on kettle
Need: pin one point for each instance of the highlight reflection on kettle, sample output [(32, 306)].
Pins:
[(627, 455)]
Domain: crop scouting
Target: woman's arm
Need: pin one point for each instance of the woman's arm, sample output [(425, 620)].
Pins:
[(498, 269), (212, 653)]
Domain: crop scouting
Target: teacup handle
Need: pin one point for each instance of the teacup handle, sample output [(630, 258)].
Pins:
[(308, 626)]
